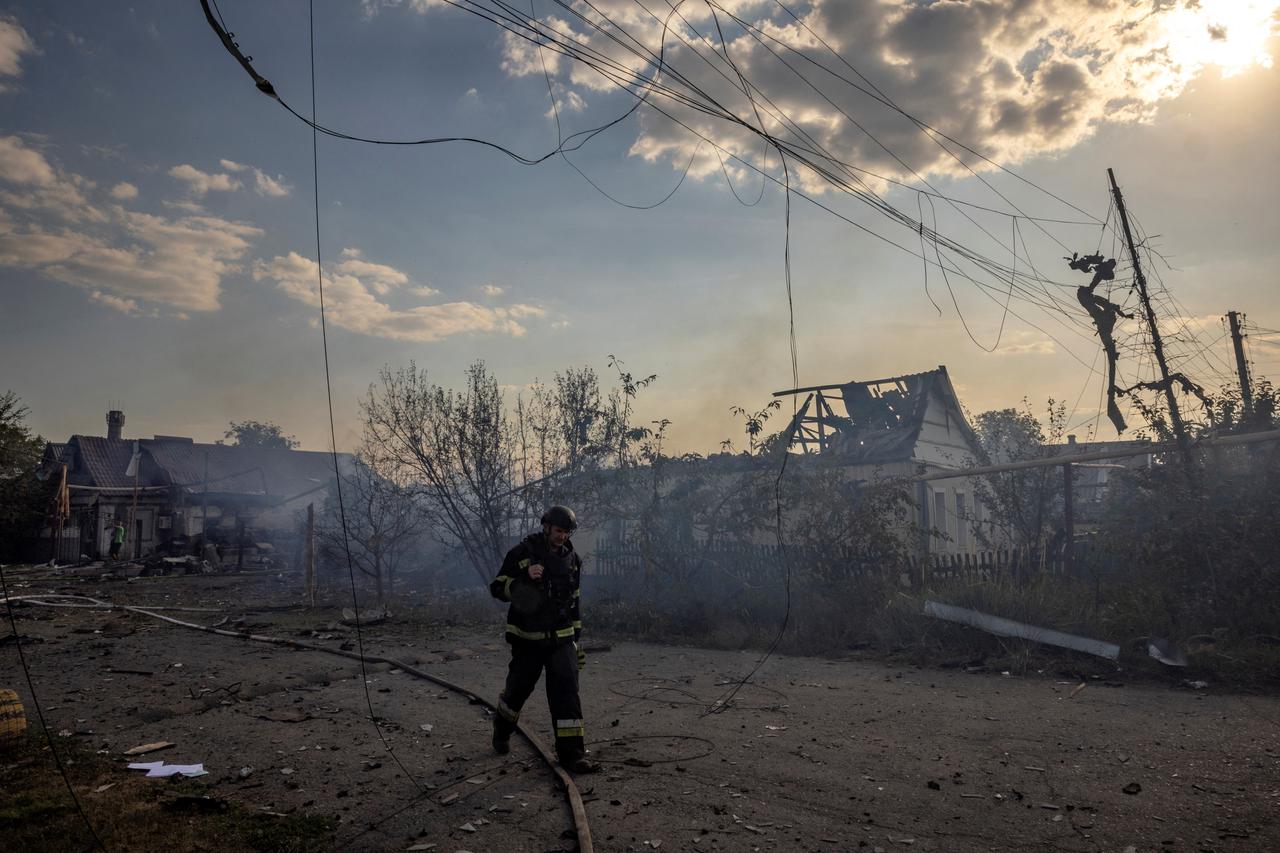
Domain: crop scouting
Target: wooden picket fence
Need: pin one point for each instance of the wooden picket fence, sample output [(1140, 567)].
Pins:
[(1015, 564)]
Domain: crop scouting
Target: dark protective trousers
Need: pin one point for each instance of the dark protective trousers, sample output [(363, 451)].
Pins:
[(528, 660)]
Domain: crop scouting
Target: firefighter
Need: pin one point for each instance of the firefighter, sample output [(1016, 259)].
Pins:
[(540, 580)]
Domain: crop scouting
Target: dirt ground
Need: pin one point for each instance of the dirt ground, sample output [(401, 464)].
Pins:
[(814, 755)]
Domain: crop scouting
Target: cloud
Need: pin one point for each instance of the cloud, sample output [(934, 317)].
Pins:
[(35, 185), (14, 44), (22, 165), (352, 289), (492, 290), (371, 8), (199, 183), (126, 306), (186, 206), (1036, 347), (1014, 78), (263, 184), (176, 262), (572, 102), (521, 57), (380, 278), (123, 258)]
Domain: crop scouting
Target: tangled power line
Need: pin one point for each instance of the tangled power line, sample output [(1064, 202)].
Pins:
[(672, 77)]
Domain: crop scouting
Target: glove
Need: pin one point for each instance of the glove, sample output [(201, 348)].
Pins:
[(582, 656)]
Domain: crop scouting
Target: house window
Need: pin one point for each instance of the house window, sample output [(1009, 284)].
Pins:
[(962, 522), (940, 512)]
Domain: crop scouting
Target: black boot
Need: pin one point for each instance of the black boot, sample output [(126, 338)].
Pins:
[(580, 765), (501, 737)]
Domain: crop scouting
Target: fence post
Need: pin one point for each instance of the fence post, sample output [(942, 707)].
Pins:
[(310, 558)]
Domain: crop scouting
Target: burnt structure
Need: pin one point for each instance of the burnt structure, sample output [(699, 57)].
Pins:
[(174, 493)]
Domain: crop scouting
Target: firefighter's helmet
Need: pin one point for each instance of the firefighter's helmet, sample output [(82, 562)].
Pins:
[(562, 517)]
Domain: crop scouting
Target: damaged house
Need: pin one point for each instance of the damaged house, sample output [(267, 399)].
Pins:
[(897, 427), (901, 426), (171, 492)]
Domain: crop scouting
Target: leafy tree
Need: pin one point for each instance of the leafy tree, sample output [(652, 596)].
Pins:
[(1023, 504), (23, 498), (260, 434), (1197, 551), (1227, 411), (852, 530), (753, 425)]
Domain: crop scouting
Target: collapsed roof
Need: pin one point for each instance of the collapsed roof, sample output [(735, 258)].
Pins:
[(882, 419)]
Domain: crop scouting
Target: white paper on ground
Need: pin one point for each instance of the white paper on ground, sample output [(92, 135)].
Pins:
[(159, 769)]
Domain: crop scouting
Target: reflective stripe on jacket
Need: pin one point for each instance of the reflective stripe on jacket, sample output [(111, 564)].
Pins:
[(543, 611)]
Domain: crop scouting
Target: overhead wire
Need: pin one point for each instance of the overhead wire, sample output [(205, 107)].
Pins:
[(540, 32), (564, 155), (806, 152), (923, 180), (931, 132), (548, 37), (830, 210), (333, 436)]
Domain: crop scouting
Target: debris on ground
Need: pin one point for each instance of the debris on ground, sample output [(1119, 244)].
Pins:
[(160, 770), (1165, 652), (1008, 628), (143, 749)]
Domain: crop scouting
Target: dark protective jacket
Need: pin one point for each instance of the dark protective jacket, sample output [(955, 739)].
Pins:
[(544, 611)]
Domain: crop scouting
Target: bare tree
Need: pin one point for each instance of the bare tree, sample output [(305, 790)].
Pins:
[(455, 449), (563, 435), (382, 522)]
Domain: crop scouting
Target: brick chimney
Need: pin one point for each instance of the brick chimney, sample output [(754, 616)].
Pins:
[(115, 424)]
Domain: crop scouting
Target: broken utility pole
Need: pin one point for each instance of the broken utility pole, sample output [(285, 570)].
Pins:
[(1157, 345), (1242, 366)]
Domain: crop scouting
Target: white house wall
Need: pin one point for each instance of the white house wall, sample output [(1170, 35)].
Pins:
[(942, 439)]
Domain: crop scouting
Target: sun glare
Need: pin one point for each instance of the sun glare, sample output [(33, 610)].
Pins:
[(1228, 34)]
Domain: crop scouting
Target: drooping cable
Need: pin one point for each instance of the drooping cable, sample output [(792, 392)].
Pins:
[(691, 96), (564, 155), (333, 436), (723, 703)]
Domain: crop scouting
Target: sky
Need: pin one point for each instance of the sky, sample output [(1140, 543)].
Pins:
[(158, 214)]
